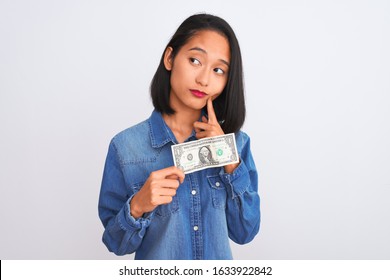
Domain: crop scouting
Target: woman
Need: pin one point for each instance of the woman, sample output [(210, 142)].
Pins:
[(147, 205)]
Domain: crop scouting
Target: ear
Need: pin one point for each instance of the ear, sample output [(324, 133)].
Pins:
[(168, 58)]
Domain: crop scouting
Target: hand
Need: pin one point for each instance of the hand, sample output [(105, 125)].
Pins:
[(208, 127), (159, 188)]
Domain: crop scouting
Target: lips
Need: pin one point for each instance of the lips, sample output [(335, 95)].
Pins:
[(198, 93)]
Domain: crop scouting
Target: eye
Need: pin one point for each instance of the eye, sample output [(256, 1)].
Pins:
[(219, 71), (195, 61)]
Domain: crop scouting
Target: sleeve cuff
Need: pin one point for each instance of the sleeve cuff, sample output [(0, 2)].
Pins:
[(128, 222), (237, 182)]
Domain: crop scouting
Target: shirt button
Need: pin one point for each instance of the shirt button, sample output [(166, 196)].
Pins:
[(217, 184), (193, 192), (196, 228)]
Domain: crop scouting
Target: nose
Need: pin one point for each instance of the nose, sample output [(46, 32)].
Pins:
[(203, 77)]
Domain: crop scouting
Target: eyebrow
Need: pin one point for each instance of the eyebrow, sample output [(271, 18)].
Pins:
[(204, 51)]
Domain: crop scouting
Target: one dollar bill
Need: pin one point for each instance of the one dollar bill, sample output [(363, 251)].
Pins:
[(205, 153)]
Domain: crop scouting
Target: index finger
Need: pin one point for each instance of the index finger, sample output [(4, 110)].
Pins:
[(211, 112), (169, 171)]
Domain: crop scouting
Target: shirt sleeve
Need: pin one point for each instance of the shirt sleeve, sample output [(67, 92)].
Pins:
[(123, 233), (243, 202)]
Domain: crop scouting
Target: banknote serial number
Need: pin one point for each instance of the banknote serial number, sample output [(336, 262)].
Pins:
[(244, 270)]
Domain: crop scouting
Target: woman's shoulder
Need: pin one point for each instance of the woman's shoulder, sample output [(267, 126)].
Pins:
[(135, 135), (242, 139), (139, 128), (242, 136)]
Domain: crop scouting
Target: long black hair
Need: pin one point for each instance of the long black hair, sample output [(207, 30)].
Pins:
[(230, 104)]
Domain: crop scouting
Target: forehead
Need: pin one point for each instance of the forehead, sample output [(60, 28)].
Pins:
[(215, 44)]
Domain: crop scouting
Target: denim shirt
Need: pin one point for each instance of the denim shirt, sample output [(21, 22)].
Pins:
[(210, 206)]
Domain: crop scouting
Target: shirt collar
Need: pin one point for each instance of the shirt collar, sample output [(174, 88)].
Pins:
[(160, 133)]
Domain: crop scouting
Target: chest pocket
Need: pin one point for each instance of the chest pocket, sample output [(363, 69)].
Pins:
[(218, 191), (166, 210)]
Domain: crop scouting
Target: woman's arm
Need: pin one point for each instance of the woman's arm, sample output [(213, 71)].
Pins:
[(123, 233), (243, 202), (126, 214)]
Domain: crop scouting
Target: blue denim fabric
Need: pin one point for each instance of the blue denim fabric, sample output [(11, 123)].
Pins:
[(210, 206)]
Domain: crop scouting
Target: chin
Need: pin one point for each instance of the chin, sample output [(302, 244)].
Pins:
[(197, 108), (199, 105)]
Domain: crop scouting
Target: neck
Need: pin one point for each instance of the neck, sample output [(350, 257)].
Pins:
[(182, 123)]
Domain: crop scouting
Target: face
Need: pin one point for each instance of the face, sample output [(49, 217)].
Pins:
[(204, 152), (199, 71)]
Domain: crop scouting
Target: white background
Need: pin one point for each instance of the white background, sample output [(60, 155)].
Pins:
[(317, 76)]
